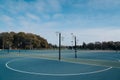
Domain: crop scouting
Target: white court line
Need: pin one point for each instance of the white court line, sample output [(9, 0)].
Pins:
[(36, 73)]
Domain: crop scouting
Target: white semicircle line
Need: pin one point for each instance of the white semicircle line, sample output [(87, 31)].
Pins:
[(36, 73)]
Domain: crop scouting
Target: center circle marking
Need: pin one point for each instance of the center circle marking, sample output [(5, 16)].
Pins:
[(50, 74)]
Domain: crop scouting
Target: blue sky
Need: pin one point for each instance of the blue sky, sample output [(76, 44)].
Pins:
[(89, 20)]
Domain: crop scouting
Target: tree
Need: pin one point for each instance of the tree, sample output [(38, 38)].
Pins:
[(90, 46), (98, 45), (22, 40), (84, 46)]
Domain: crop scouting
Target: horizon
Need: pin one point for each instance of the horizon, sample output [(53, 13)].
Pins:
[(88, 20), (72, 43)]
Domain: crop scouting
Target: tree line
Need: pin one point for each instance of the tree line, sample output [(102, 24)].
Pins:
[(22, 40), (110, 45)]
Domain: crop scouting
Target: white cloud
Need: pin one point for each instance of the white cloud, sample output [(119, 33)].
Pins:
[(55, 5), (50, 24), (14, 7), (46, 16), (97, 34), (46, 6), (7, 20), (35, 26), (104, 4), (58, 16), (83, 35), (46, 24), (33, 17), (41, 6)]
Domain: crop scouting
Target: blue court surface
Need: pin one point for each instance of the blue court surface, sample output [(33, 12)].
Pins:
[(44, 65)]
